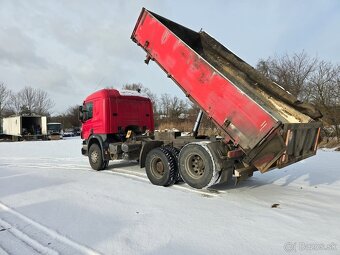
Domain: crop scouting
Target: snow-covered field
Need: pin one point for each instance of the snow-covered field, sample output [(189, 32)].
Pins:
[(51, 202)]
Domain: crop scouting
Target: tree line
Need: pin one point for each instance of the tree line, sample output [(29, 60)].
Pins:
[(28, 101), (34, 101), (308, 78), (311, 80)]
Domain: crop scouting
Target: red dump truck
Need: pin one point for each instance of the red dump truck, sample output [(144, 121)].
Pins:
[(263, 125)]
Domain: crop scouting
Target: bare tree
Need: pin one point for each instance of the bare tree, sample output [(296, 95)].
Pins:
[(310, 79), (31, 101), (323, 84), (172, 106), (15, 103), (72, 116), (325, 93), (133, 86), (177, 107), (43, 103), (144, 90), (291, 72), (28, 99), (4, 98), (164, 107)]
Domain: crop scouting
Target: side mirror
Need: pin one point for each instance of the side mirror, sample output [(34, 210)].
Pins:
[(81, 114)]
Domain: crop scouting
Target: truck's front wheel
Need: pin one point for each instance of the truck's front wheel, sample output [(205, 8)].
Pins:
[(96, 157)]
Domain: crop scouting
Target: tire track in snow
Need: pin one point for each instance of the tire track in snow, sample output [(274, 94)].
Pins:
[(34, 244), (44, 230), (16, 175), (48, 166), (3, 252), (141, 176)]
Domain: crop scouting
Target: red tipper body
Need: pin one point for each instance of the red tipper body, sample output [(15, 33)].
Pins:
[(245, 119), (114, 112)]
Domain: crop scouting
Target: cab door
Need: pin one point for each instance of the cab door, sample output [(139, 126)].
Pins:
[(87, 126)]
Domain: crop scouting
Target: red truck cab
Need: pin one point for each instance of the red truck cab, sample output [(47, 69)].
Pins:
[(107, 116), (109, 111)]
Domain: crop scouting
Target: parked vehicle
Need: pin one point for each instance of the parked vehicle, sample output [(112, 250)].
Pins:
[(55, 131), (68, 132), (24, 127), (76, 131), (263, 126)]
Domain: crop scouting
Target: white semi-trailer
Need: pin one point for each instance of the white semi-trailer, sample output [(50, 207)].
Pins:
[(25, 127)]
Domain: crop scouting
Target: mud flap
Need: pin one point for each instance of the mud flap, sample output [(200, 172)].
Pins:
[(146, 148)]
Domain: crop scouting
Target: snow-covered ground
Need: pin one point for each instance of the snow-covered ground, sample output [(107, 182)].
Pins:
[(51, 202)]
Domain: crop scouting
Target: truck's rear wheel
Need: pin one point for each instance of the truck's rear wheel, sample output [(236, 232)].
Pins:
[(196, 166), (96, 158), (175, 153), (160, 167)]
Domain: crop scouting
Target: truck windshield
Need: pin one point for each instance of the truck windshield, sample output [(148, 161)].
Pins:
[(54, 127)]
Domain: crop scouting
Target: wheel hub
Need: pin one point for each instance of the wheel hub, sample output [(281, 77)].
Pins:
[(94, 157), (160, 167), (157, 167), (195, 166)]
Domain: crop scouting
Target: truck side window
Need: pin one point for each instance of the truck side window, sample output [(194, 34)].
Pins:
[(89, 111)]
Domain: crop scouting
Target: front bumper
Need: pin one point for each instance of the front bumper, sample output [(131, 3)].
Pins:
[(84, 149)]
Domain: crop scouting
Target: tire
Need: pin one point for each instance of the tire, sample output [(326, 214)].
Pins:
[(196, 166), (96, 158), (175, 153), (160, 167)]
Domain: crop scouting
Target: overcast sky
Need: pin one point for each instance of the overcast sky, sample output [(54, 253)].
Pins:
[(72, 48)]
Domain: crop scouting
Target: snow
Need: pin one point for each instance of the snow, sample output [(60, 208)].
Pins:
[(51, 202), (132, 93)]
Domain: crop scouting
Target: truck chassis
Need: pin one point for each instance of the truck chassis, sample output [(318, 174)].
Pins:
[(169, 158)]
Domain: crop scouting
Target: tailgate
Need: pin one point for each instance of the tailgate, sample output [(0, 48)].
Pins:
[(301, 141)]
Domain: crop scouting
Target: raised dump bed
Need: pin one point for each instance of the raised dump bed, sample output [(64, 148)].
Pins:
[(270, 125)]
